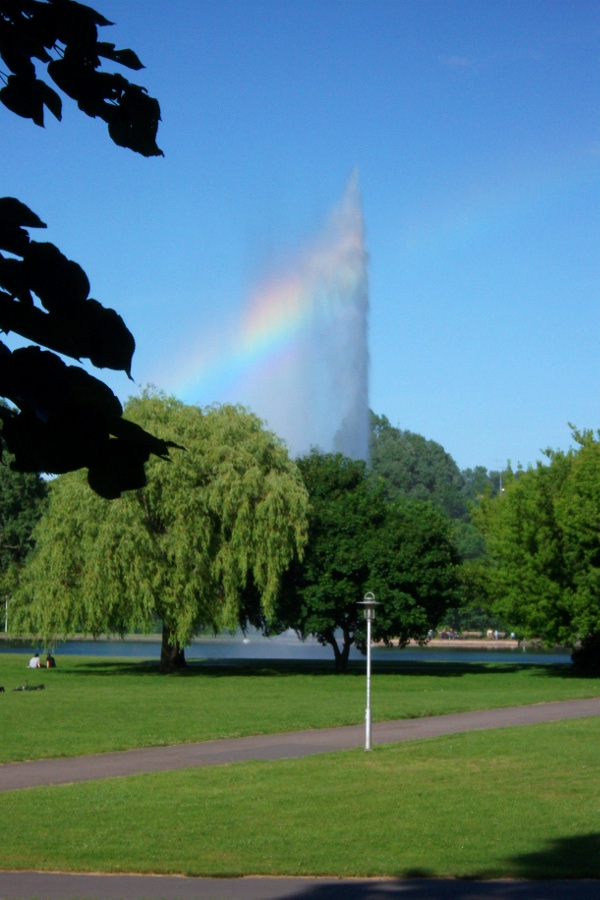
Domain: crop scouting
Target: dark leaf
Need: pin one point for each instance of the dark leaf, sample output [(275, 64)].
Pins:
[(59, 282), (67, 74), (111, 345), (35, 380), (55, 446), (28, 25), (141, 109), (39, 381), (86, 14), (121, 469), (52, 331), (124, 57), (66, 420), (76, 24), (21, 97), (15, 56), (84, 390), (14, 239), (13, 280), (93, 332), (51, 99), (98, 93), (135, 125), (64, 410), (135, 434), (13, 212)]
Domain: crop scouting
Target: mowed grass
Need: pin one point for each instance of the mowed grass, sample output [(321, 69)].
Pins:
[(516, 802), (92, 705)]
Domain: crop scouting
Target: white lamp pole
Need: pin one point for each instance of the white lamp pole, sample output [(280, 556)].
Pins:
[(369, 603)]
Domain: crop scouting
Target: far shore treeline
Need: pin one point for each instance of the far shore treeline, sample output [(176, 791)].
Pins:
[(231, 532)]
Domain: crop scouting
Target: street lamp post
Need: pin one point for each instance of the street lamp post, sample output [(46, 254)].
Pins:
[(369, 603)]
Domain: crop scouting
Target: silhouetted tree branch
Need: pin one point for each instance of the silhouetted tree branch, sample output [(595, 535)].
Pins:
[(60, 417)]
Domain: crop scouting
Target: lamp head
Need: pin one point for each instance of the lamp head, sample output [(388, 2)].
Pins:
[(369, 605)]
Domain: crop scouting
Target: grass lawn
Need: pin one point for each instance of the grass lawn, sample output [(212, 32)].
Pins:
[(92, 705), (517, 802)]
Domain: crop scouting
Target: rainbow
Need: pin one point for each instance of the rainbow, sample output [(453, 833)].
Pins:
[(277, 316)]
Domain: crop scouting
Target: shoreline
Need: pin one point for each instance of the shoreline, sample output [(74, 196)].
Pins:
[(438, 643), (476, 643)]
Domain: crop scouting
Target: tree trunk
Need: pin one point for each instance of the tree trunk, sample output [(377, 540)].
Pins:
[(586, 657), (172, 656), (341, 656)]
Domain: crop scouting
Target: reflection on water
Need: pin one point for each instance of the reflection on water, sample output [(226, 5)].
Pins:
[(287, 646)]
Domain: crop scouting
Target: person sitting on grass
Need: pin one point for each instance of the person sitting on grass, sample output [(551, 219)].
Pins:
[(34, 662), (50, 661)]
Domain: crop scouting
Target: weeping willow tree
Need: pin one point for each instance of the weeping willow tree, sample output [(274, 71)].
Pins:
[(218, 523)]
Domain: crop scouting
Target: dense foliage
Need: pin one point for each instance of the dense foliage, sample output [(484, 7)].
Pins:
[(360, 541), (60, 418), (22, 502), (411, 466), (223, 518), (543, 538)]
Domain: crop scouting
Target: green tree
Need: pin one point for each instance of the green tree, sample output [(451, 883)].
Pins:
[(358, 541), (526, 575), (543, 538), (414, 571), (60, 418), (221, 520), (22, 502), (578, 510), (411, 466), (479, 482)]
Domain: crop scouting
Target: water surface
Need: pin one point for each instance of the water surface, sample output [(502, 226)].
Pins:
[(288, 646)]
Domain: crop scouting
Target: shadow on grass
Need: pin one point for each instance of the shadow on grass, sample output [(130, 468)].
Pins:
[(567, 857), (560, 871), (223, 668)]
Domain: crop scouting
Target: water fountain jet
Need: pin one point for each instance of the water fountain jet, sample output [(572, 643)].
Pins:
[(314, 390)]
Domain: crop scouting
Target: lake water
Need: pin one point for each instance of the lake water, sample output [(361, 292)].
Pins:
[(287, 646)]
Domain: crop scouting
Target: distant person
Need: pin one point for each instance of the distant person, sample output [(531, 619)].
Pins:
[(50, 661), (34, 662)]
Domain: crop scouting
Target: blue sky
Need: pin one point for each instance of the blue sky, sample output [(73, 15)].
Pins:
[(475, 130)]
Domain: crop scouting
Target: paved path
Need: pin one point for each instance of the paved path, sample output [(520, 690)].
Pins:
[(64, 886), (24, 886), (294, 744)]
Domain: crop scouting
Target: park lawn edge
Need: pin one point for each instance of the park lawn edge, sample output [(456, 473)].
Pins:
[(144, 709), (533, 786)]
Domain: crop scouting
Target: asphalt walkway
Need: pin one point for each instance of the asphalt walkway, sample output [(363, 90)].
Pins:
[(65, 886), (41, 886), (291, 745)]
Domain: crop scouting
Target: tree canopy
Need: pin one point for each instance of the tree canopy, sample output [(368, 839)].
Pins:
[(22, 502), (60, 418), (221, 520), (359, 541), (543, 539), (411, 466)]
